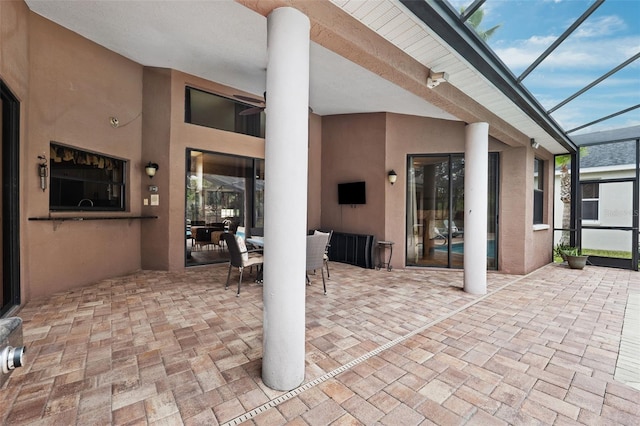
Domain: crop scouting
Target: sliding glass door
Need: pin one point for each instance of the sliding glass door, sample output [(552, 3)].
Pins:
[(223, 192), (435, 211)]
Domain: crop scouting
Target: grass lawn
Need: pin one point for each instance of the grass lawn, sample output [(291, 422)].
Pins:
[(604, 253), (608, 253)]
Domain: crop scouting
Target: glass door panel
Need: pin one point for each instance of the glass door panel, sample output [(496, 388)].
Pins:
[(435, 211), (258, 199), (428, 203), (221, 193), (454, 224)]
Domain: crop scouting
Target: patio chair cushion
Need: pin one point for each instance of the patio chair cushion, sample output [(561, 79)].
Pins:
[(243, 248), (326, 251)]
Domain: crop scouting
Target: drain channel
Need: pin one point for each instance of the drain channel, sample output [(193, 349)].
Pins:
[(308, 385)]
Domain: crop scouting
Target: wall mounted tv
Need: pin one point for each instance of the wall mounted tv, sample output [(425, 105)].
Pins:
[(352, 193)]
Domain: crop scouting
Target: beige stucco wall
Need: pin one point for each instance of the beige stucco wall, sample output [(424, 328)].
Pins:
[(14, 71), (314, 194), (156, 139), (69, 87), (14, 48), (74, 87), (353, 149), (412, 135), (366, 146), (166, 137)]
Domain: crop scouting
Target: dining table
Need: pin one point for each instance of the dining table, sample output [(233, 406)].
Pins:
[(256, 241)]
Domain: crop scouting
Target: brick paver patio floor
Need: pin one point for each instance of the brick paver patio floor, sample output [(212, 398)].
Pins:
[(406, 347)]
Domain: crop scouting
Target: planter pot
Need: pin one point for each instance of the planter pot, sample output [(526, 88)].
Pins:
[(576, 262)]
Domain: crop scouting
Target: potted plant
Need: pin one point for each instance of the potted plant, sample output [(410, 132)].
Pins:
[(559, 251), (575, 259)]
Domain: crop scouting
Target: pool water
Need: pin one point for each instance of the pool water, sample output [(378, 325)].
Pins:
[(458, 248)]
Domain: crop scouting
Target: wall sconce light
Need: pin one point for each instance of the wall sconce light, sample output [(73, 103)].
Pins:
[(43, 171), (151, 169), (534, 144), (392, 176), (436, 78)]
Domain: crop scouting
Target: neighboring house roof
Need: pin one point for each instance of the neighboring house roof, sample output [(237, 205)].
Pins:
[(631, 132), (608, 154)]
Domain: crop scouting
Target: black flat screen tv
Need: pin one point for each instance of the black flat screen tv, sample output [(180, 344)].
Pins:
[(352, 193)]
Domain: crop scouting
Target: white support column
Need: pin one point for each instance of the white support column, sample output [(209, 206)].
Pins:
[(476, 175), (285, 205)]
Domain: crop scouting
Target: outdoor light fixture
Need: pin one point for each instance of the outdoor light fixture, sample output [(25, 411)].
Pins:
[(151, 169), (436, 78), (43, 171), (534, 144), (392, 176)]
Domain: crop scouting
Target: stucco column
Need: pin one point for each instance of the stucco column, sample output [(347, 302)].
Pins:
[(476, 175), (285, 204)]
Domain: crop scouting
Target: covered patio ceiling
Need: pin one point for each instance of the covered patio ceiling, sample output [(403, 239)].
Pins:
[(225, 41)]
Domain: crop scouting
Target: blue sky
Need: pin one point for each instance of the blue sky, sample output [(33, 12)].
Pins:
[(610, 36)]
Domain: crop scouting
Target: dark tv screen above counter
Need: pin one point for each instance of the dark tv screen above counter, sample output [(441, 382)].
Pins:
[(352, 193)]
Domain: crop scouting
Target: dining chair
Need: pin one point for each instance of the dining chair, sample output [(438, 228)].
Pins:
[(240, 257), (202, 237), (316, 246), (326, 250), (216, 239), (240, 232)]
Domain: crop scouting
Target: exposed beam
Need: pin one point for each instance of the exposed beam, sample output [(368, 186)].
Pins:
[(336, 30)]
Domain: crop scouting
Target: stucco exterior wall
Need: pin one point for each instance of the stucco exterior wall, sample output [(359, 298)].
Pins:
[(540, 251), (314, 194), (367, 146), (14, 72), (69, 87), (353, 149), (156, 140), (14, 46), (171, 158), (412, 135), (523, 248), (74, 87)]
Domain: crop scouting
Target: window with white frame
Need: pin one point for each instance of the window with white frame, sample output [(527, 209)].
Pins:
[(590, 201)]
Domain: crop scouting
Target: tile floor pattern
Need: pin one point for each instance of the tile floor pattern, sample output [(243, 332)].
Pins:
[(176, 348)]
